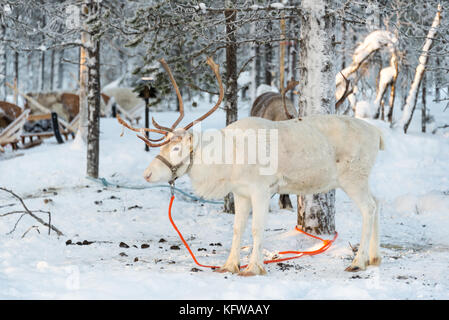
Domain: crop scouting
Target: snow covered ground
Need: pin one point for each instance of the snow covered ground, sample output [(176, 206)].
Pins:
[(411, 179)]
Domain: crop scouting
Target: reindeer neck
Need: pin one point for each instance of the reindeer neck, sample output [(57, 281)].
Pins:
[(209, 180)]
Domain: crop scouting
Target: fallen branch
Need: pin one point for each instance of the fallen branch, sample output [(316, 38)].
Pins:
[(440, 127), (29, 229), (31, 213)]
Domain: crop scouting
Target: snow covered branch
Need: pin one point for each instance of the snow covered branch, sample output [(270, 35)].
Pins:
[(410, 103)]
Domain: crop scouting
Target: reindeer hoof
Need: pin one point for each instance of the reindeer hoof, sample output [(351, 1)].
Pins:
[(247, 274), (253, 271), (375, 261), (232, 269), (355, 268)]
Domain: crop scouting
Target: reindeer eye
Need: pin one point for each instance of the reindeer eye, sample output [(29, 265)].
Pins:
[(175, 148)]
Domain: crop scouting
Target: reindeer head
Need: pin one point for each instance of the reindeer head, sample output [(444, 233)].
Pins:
[(176, 154)]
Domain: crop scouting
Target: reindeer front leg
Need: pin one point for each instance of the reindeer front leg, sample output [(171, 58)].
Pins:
[(242, 208), (260, 203)]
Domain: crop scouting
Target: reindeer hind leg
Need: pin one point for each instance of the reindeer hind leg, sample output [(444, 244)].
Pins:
[(361, 195), (284, 202)]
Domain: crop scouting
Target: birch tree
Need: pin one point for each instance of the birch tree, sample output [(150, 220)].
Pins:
[(410, 103), (93, 89), (316, 213)]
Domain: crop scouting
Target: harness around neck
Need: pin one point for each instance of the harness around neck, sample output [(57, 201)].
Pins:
[(174, 168)]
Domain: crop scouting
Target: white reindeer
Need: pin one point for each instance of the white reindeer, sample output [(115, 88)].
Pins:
[(315, 154)]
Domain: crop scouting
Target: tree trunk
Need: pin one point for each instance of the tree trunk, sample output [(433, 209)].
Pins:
[(83, 74), (438, 80), (16, 77), (282, 56), (343, 45), (268, 59), (2, 62), (255, 66), (410, 103), (393, 89), (294, 61), (231, 93), (52, 70), (93, 99), (423, 105), (61, 69), (316, 213), (42, 80)]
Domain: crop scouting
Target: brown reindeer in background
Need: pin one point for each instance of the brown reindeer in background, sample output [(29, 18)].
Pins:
[(276, 107)]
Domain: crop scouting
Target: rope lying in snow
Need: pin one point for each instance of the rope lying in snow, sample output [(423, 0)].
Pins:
[(106, 183)]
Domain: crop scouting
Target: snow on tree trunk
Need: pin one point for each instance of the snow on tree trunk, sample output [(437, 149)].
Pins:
[(393, 89), (372, 43), (410, 103), (387, 77), (316, 213), (231, 93)]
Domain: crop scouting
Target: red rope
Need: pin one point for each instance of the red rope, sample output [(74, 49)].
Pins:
[(326, 244)]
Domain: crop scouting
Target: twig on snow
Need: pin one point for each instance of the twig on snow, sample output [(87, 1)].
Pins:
[(31, 213)]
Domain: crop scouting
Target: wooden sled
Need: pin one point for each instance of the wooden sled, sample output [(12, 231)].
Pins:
[(12, 133)]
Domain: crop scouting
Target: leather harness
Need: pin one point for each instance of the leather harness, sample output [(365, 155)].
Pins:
[(174, 168)]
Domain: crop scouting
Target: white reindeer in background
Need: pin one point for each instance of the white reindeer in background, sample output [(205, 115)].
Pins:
[(314, 154)]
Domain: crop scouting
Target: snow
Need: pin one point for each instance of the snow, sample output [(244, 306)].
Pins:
[(385, 79), (277, 5), (374, 41), (364, 109), (264, 88), (201, 6), (410, 179)]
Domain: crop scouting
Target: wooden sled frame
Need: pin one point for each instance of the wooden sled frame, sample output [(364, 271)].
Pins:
[(66, 127), (12, 133)]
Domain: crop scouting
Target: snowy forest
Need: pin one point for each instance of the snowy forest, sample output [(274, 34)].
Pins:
[(77, 77)]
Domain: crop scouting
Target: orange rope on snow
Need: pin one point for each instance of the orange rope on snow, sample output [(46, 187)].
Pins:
[(297, 254)]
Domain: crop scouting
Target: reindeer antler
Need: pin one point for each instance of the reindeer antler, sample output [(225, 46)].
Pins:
[(165, 130), (123, 123), (290, 85), (149, 142), (216, 69), (178, 94)]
